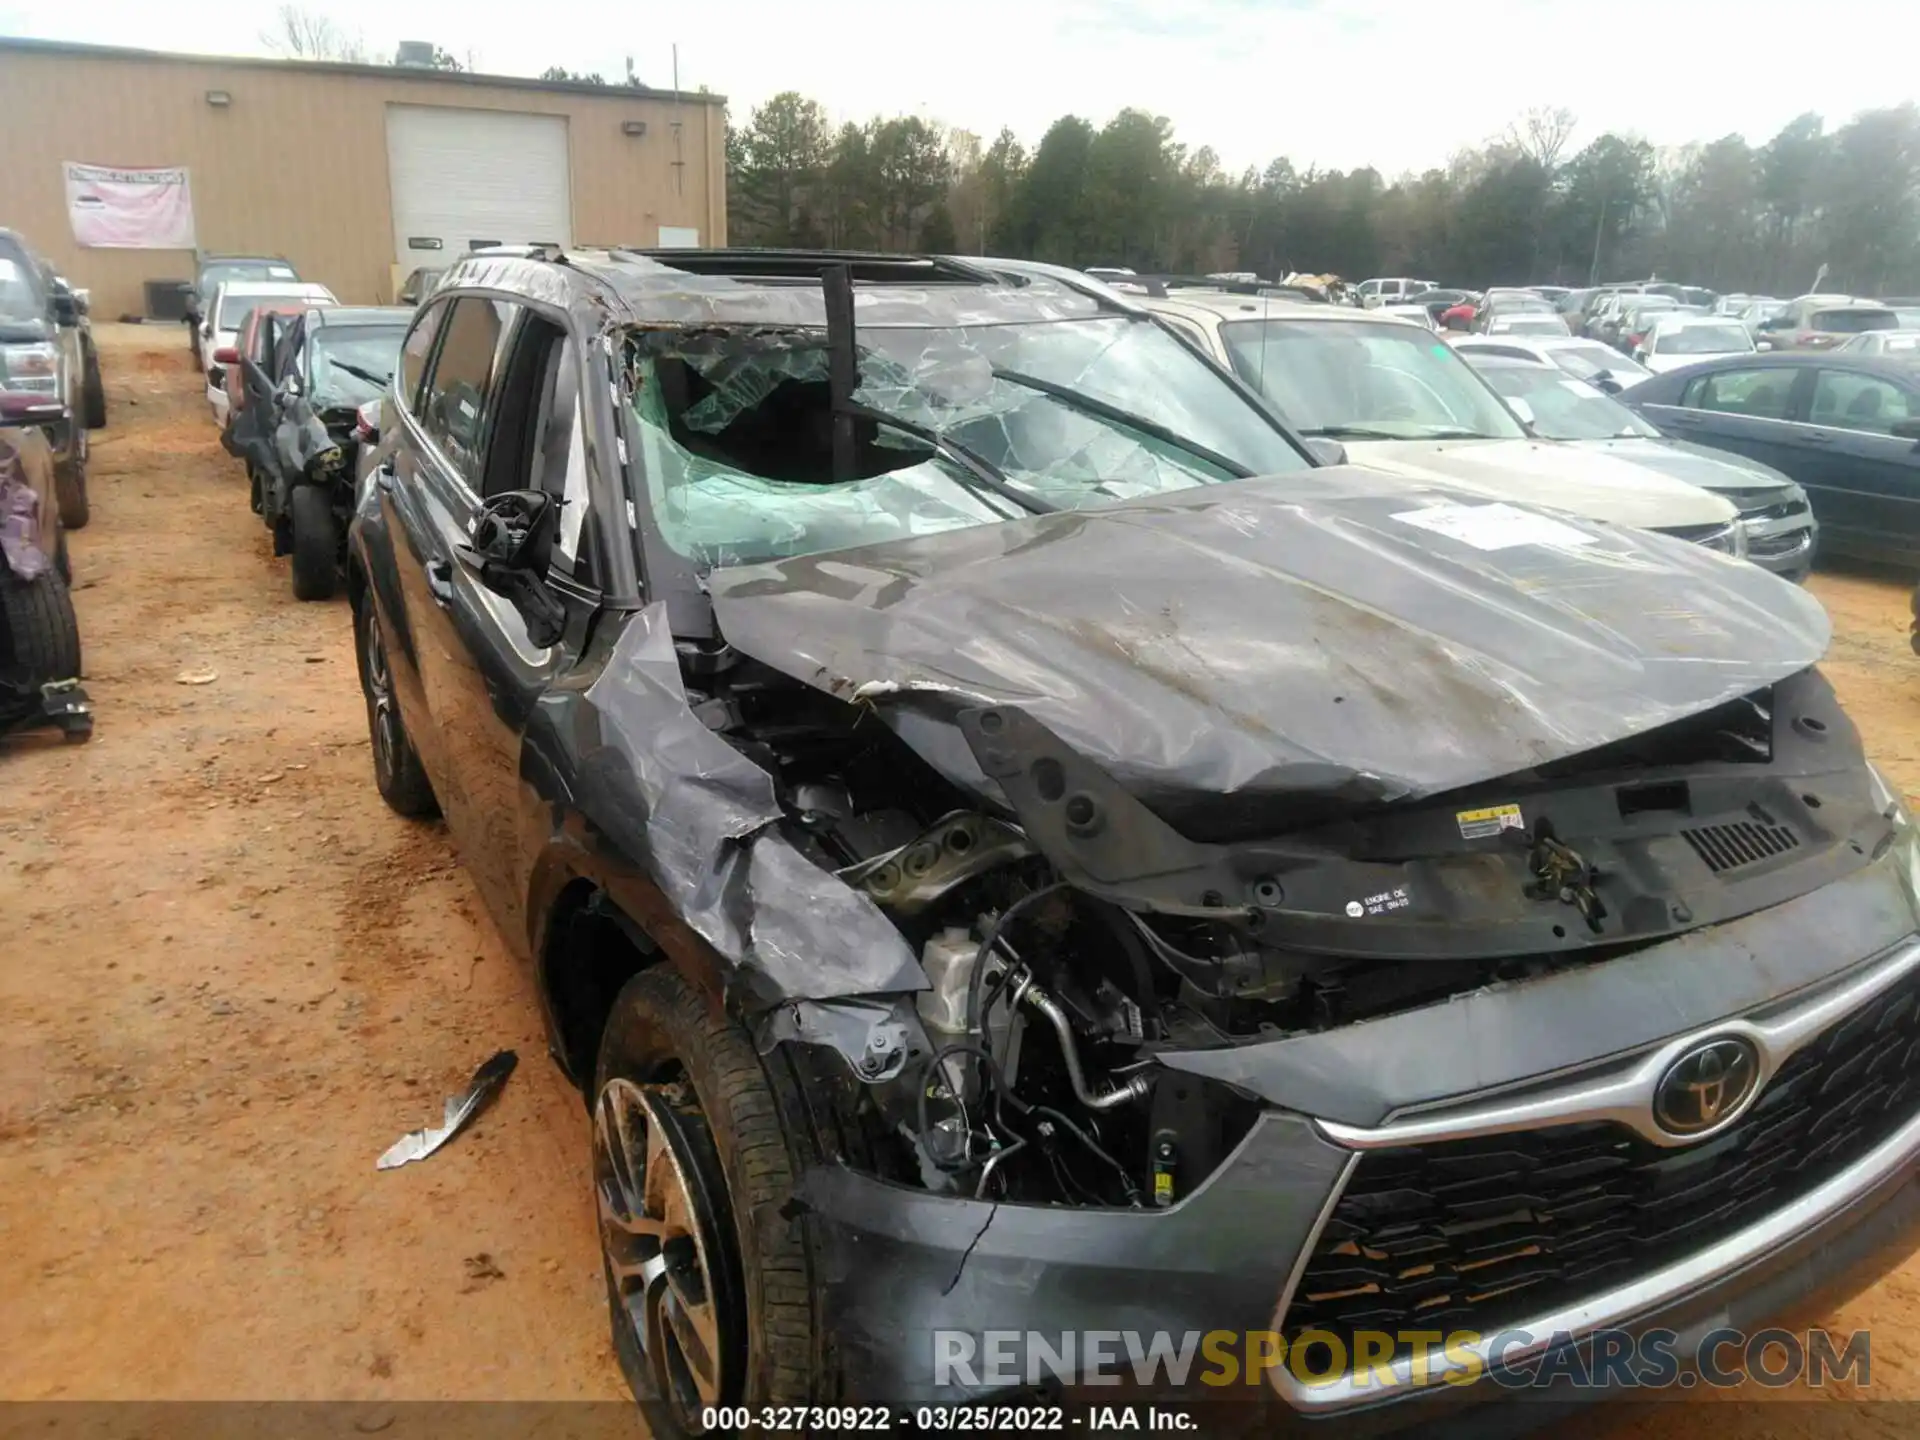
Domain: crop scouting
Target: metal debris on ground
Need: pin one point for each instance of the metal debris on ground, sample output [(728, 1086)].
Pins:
[(418, 1144)]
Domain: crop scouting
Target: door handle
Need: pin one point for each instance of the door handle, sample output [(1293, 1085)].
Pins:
[(1814, 437), (440, 582), (383, 476)]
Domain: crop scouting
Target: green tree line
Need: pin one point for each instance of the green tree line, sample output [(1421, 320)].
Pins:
[(1526, 207)]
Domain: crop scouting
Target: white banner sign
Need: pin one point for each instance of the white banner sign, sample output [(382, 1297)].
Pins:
[(130, 209)]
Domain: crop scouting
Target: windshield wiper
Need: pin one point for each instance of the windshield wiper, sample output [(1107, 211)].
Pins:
[(379, 382), (983, 473), (1357, 432), (1114, 415)]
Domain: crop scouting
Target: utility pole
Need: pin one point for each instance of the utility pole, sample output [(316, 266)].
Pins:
[(1599, 231)]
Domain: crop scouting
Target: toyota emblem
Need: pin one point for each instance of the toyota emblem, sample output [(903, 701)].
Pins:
[(1708, 1085)]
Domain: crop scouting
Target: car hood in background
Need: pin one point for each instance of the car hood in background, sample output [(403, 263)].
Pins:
[(1276, 639), (1661, 364), (1548, 473), (1717, 470)]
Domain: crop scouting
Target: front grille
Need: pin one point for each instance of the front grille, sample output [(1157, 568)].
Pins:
[(1773, 510), (1744, 842), (1714, 537), (1484, 1234)]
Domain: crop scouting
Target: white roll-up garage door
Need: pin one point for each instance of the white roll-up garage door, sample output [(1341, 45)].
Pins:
[(475, 177)]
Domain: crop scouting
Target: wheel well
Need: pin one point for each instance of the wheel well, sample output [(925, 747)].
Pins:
[(592, 950), (356, 583)]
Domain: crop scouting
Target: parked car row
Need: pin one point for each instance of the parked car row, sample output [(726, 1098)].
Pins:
[(1391, 398), (290, 372), (51, 396), (999, 767)]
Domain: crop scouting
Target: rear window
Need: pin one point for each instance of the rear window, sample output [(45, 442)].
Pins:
[(1702, 340), (233, 308), (1852, 322)]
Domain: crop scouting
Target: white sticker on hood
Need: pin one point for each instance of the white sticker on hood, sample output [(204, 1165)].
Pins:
[(1498, 526)]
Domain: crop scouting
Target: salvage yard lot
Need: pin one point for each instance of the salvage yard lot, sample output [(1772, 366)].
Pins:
[(234, 977)]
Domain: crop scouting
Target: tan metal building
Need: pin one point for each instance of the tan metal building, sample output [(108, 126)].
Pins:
[(355, 173)]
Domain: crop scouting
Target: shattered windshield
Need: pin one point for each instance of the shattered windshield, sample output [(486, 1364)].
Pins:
[(953, 427), (352, 365), (1355, 380)]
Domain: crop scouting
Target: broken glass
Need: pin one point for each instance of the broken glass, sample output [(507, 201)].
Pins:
[(736, 430)]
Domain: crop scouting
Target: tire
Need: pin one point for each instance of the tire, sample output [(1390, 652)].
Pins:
[(70, 491), (397, 771), (315, 543), (40, 632), (93, 393), (677, 1080)]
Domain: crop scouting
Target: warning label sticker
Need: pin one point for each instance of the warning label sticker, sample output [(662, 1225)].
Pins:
[(1479, 824)]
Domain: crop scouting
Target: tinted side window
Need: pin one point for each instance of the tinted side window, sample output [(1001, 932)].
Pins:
[(1759, 393), (414, 352), (1857, 402), (453, 403)]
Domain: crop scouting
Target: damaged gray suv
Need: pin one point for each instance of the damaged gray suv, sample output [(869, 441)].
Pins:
[(1005, 841)]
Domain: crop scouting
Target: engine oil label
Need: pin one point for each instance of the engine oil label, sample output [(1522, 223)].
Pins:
[(1479, 824), (1398, 898)]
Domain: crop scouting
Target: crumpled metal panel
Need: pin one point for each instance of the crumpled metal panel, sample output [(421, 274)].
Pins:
[(19, 514), (702, 818), (1279, 637)]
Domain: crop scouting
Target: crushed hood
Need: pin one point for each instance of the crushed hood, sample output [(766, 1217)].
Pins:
[(1280, 637), (1549, 473)]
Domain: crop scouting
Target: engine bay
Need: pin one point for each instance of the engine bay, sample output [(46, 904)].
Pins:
[(1070, 935)]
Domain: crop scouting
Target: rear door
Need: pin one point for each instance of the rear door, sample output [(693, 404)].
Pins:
[(1748, 411), (1863, 481)]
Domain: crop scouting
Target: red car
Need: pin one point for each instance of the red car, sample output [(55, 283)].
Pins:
[(259, 336)]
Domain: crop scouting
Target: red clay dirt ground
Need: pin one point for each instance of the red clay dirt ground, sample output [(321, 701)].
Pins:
[(234, 978)]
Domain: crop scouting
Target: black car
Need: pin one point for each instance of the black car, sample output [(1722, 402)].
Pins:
[(298, 431), (1846, 427), (1004, 842)]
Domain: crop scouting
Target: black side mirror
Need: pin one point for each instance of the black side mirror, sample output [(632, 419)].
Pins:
[(66, 309), (1908, 429), (1606, 384), (512, 537)]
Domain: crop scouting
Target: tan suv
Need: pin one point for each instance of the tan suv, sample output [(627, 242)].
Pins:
[(1820, 322)]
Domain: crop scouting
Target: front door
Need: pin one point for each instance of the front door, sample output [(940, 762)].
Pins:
[(1863, 481), (488, 697), (1748, 411)]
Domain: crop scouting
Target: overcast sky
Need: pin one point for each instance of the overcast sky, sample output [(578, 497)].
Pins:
[(1331, 82)]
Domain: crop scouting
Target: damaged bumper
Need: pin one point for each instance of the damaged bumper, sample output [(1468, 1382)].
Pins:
[(918, 1284)]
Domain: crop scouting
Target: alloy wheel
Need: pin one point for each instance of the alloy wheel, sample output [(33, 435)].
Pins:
[(664, 1233), (383, 719)]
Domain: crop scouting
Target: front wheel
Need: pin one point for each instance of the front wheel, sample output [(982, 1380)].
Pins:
[(397, 772), (709, 1276), (315, 542)]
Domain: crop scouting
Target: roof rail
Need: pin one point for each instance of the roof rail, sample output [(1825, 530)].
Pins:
[(870, 266)]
